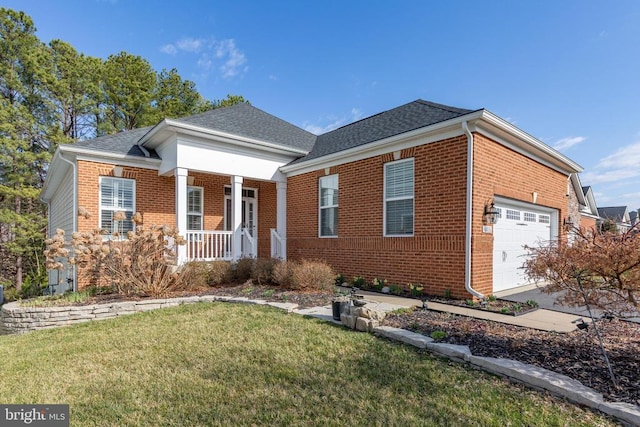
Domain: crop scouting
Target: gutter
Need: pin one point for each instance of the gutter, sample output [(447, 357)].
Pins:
[(75, 209), (468, 225)]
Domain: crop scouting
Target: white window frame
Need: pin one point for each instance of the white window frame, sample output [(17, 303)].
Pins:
[(194, 213), (327, 207), (115, 209), (391, 199)]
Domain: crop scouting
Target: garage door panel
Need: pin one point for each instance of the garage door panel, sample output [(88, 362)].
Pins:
[(517, 227)]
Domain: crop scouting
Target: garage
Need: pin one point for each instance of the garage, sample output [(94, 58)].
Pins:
[(519, 224)]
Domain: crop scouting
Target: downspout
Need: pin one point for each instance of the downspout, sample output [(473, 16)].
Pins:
[(468, 225), (75, 210)]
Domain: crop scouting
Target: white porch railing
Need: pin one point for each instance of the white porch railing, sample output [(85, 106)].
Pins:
[(277, 245), (209, 245), (248, 244)]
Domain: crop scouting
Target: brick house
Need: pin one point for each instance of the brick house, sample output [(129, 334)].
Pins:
[(406, 195)]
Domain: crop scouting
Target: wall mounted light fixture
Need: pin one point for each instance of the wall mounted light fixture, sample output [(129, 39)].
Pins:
[(567, 223), (490, 214)]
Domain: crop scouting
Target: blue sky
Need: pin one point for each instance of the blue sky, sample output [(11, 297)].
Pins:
[(566, 72)]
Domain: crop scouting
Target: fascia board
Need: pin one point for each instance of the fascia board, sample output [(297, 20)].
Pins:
[(527, 143), (437, 132), (149, 141), (108, 157), (57, 171)]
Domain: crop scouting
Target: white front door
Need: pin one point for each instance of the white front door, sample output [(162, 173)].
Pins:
[(249, 215), (519, 225)]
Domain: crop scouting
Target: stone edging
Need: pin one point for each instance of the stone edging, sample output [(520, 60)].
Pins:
[(17, 319)]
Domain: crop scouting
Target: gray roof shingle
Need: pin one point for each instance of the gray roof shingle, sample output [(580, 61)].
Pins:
[(614, 213), (405, 118), (124, 142), (240, 119), (249, 121)]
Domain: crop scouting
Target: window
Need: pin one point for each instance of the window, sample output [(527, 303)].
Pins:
[(545, 219), (512, 214), (117, 195), (529, 217), (398, 198), (328, 206), (194, 208)]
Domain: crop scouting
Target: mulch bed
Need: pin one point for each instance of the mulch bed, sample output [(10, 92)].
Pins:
[(576, 354)]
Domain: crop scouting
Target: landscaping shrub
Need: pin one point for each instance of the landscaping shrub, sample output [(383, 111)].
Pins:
[(316, 275), (142, 265), (244, 269), (263, 270), (200, 274), (282, 274)]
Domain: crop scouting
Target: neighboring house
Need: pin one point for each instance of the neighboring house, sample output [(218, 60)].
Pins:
[(405, 195), (618, 215), (633, 217), (589, 218)]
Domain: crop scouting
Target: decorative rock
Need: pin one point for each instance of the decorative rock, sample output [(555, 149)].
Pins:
[(385, 290), (348, 320), (452, 351)]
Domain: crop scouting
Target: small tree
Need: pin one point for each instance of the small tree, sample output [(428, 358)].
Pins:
[(601, 270)]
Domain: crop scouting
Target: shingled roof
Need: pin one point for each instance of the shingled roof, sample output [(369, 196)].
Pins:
[(240, 119), (614, 213), (405, 118)]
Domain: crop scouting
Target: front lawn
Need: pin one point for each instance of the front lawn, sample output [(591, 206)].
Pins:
[(227, 364)]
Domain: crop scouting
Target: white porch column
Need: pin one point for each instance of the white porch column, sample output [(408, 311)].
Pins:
[(236, 216), (281, 215), (181, 210)]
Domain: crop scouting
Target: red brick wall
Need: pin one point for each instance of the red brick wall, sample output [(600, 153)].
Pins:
[(434, 256), (500, 171)]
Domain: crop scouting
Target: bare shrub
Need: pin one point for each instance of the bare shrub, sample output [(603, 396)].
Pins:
[(312, 275), (598, 269), (282, 273), (143, 265), (200, 274), (263, 270), (244, 269)]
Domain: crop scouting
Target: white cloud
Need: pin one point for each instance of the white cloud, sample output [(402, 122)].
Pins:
[(625, 157), (189, 44), (169, 49), (233, 57), (598, 177), (570, 141), (221, 54), (334, 122)]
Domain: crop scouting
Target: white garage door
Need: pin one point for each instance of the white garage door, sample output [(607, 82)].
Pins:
[(517, 226)]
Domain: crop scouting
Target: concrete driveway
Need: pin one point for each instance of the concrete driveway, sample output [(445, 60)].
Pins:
[(547, 301)]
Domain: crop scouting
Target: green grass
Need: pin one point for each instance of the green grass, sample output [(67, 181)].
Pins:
[(227, 364)]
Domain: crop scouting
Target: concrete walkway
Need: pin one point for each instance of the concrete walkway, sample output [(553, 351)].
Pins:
[(541, 319), (548, 301)]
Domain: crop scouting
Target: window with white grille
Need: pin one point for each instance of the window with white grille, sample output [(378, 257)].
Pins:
[(117, 195), (328, 206), (398, 198), (194, 208), (529, 217), (545, 219), (511, 214)]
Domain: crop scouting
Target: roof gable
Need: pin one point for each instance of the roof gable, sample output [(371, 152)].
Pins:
[(614, 213)]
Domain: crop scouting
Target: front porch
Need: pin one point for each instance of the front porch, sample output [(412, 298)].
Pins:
[(212, 245), (226, 220)]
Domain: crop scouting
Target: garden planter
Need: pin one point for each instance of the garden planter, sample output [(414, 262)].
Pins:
[(338, 307)]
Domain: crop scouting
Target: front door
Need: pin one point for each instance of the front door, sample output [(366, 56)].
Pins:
[(249, 217)]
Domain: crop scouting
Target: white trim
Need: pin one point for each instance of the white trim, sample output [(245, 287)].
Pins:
[(385, 200), (168, 125), (108, 157), (482, 121), (332, 206), (373, 149)]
